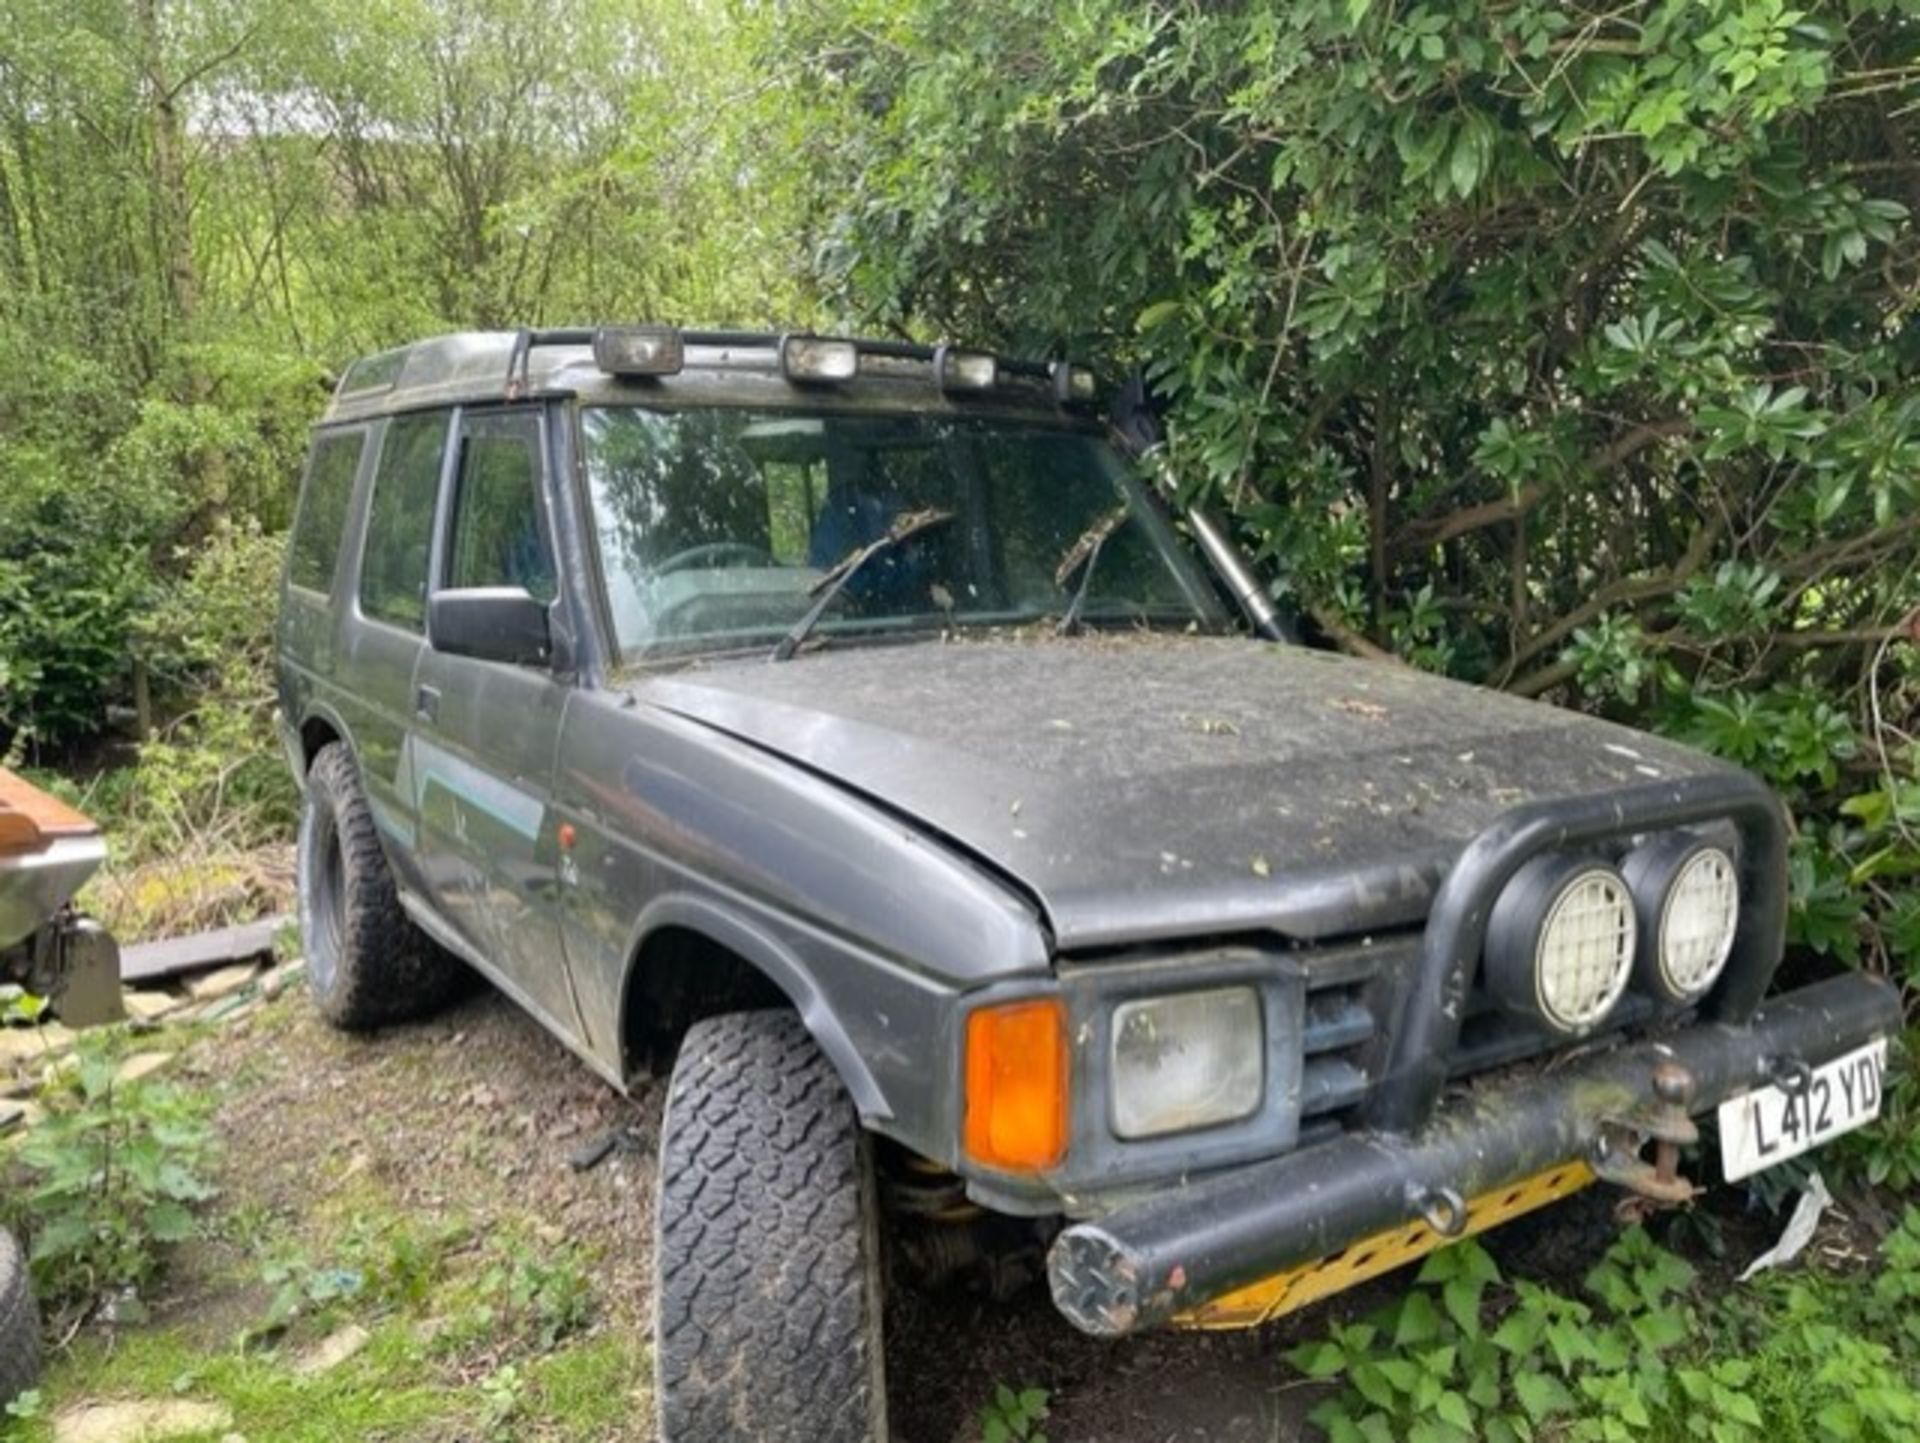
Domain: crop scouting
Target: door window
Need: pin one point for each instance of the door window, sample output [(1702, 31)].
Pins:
[(393, 570), (496, 538), (315, 547)]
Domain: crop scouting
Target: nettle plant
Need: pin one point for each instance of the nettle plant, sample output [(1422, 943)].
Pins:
[(1468, 1356), (114, 1172)]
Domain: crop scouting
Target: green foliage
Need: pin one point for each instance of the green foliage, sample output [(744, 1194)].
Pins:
[(1567, 349), (72, 578), (357, 175), (1888, 1153), (527, 1299), (1014, 1417), (1639, 1355), (301, 1288), (114, 1173)]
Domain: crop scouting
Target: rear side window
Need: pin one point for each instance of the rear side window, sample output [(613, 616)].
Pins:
[(393, 571), (496, 517), (315, 546)]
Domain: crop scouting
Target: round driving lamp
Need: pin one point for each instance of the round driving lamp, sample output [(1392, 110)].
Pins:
[(1687, 892), (1561, 941)]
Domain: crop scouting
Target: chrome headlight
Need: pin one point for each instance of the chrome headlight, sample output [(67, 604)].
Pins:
[(1688, 892), (1560, 942), (1191, 1060)]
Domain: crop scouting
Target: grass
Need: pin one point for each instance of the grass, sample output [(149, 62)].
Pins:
[(384, 1391), (479, 1326), (463, 1343)]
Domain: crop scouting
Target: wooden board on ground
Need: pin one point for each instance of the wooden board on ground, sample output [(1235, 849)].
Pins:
[(151, 961)]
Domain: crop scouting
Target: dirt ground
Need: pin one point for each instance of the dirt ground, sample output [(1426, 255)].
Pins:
[(478, 1113)]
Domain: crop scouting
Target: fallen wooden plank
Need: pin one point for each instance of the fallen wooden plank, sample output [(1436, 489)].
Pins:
[(150, 961)]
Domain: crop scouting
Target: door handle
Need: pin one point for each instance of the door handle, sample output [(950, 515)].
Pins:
[(426, 703)]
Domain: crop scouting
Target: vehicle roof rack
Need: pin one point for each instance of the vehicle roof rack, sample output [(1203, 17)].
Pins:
[(519, 359)]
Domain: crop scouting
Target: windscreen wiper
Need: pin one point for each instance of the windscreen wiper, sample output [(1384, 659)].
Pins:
[(1083, 556), (905, 526)]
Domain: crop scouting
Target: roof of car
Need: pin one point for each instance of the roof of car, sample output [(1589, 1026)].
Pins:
[(717, 368)]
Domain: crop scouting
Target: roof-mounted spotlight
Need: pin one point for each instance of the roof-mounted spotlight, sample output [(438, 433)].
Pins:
[(816, 360), (958, 370), (1072, 385), (639, 350)]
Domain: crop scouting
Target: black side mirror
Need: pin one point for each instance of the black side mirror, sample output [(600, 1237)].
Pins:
[(491, 623)]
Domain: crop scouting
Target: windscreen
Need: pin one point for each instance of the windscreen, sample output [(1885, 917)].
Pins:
[(720, 528)]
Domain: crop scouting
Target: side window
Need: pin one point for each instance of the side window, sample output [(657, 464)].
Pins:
[(496, 517), (315, 545), (393, 572)]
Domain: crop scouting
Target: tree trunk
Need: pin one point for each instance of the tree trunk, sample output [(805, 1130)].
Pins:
[(173, 237)]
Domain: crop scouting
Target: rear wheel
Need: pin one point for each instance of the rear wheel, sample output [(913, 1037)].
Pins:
[(19, 1323), (366, 961), (768, 1288)]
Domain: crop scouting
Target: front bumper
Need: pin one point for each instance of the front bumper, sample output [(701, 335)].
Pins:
[(1143, 1264)]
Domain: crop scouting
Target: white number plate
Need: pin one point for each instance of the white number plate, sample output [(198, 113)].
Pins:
[(1767, 1125)]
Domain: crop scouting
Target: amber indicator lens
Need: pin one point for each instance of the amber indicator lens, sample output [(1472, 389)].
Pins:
[(1016, 1105)]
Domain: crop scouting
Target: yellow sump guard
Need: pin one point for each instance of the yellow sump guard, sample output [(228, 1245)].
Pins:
[(1283, 1293)]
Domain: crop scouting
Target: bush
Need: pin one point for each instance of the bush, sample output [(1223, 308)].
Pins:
[(120, 506), (1567, 349)]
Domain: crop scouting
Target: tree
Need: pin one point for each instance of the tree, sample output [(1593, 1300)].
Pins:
[(1564, 348)]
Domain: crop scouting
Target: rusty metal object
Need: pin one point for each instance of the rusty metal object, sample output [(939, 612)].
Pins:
[(1665, 1121), (918, 1187)]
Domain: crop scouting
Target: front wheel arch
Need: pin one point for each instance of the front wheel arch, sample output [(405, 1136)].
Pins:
[(677, 940)]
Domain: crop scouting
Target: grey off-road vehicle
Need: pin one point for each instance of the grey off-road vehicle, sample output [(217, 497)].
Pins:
[(850, 727)]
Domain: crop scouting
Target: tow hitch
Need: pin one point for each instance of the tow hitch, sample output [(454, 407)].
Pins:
[(1664, 1119)]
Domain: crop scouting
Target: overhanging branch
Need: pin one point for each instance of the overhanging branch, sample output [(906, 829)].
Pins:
[(1435, 530)]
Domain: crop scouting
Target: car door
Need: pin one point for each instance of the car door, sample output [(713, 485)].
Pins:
[(385, 633), (485, 731)]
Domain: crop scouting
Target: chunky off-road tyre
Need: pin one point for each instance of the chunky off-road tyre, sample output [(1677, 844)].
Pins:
[(367, 963), (19, 1323), (767, 1289)]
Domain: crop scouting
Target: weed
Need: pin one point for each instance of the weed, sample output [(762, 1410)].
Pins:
[(1014, 1417), (402, 1265), (1637, 1358), (546, 1301), (117, 1169), (503, 1396), (525, 1301), (301, 1289)]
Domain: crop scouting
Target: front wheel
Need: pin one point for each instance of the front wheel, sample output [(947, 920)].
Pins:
[(19, 1323), (767, 1276), (366, 962)]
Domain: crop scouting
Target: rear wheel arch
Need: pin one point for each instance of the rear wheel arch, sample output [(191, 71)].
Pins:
[(317, 730), (692, 960)]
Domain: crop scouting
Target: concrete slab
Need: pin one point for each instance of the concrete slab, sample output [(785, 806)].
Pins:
[(203, 952)]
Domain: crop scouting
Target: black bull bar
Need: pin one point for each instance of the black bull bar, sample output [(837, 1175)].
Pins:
[(1142, 1264)]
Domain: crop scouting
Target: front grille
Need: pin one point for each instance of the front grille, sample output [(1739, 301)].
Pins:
[(1336, 1040), (1349, 994)]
